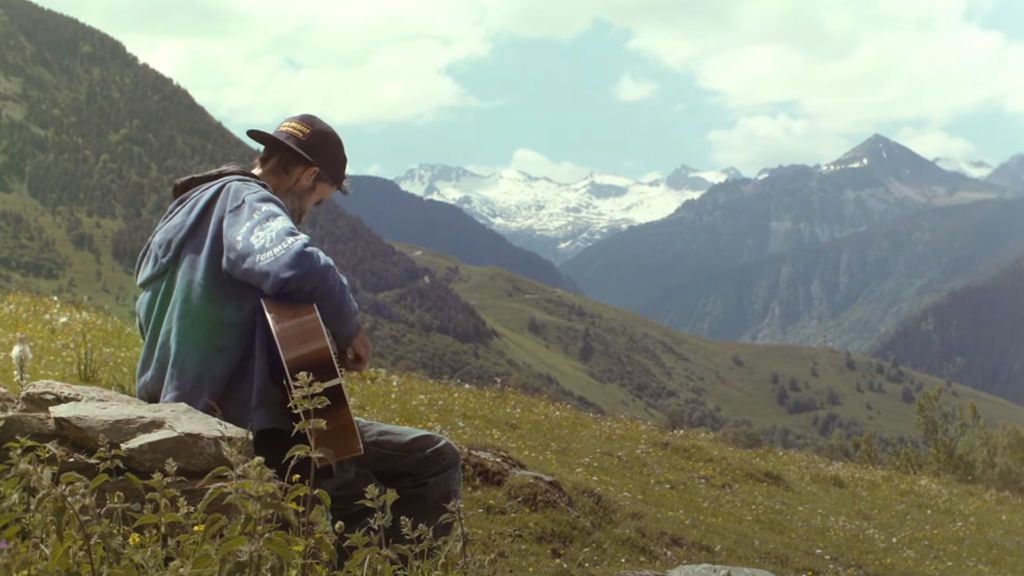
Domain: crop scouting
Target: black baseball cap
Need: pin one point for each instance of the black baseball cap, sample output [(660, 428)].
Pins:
[(314, 140)]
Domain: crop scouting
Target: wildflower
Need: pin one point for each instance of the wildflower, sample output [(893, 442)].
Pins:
[(21, 354), (134, 539), (296, 477), (199, 528)]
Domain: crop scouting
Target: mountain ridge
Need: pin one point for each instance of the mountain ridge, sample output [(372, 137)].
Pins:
[(556, 219), (399, 216), (740, 223), (972, 335)]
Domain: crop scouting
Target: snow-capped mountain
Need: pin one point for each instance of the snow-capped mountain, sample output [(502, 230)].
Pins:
[(836, 251), (977, 169), (558, 219), (910, 177)]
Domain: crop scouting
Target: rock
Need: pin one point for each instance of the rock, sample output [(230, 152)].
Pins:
[(38, 427), (640, 573), (40, 396), (8, 403), (149, 434), (712, 570), (494, 467)]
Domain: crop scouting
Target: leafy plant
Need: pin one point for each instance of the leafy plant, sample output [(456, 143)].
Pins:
[(240, 519)]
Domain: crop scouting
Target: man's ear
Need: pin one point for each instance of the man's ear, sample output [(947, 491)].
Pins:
[(309, 174)]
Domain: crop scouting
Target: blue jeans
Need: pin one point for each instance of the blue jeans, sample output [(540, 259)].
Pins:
[(424, 468)]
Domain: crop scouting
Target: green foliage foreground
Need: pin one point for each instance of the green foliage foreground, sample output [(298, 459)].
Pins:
[(641, 498), (246, 522)]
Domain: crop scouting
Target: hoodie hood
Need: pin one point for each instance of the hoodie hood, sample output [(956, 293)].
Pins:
[(186, 184), (193, 197)]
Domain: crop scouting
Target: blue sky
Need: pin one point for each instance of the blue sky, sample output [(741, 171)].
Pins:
[(556, 97), (623, 87)]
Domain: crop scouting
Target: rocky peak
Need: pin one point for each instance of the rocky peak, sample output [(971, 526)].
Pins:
[(1009, 173), (887, 160), (878, 152)]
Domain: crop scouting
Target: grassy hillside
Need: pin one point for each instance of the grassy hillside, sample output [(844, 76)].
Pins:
[(643, 497), (626, 364), (90, 141)]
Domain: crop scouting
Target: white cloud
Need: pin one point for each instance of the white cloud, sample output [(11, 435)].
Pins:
[(536, 164), (845, 68), (934, 143), (813, 77), (353, 62), (632, 89), (374, 169), (762, 141), (799, 74)]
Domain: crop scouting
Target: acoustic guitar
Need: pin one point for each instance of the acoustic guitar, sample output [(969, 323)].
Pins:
[(304, 346)]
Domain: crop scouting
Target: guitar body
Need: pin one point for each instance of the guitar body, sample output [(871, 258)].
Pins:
[(304, 346)]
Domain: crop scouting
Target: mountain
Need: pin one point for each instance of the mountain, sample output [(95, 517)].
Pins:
[(555, 219), (425, 312), (879, 159), (1009, 174), (622, 363), (90, 139), (90, 142), (399, 216), (848, 292), (677, 270), (973, 335)]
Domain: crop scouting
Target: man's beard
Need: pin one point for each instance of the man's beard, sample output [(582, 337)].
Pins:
[(296, 200)]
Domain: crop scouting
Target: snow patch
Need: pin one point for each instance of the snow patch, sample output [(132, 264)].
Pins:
[(569, 216)]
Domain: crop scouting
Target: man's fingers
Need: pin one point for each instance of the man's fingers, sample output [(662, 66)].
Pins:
[(357, 357)]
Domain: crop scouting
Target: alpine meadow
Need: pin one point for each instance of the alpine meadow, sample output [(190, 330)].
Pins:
[(812, 371)]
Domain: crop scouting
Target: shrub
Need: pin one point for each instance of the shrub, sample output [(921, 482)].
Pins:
[(244, 520)]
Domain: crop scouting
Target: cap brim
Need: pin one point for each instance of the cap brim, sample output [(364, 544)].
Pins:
[(267, 139)]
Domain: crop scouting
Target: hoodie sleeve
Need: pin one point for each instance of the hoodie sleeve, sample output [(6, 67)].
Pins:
[(262, 247)]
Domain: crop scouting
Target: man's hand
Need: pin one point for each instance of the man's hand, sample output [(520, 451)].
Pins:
[(357, 357)]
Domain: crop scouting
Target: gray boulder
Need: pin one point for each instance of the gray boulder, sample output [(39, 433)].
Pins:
[(8, 403), (38, 427), (40, 396), (712, 570), (495, 467), (149, 434)]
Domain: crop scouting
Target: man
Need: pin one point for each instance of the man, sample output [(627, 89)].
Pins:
[(228, 240)]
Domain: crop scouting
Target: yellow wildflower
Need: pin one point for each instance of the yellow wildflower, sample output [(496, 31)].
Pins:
[(134, 539), (198, 528)]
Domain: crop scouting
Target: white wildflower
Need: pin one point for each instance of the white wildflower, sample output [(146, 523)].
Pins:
[(21, 354)]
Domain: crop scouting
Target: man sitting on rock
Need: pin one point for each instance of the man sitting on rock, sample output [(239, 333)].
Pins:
[(228, 240)]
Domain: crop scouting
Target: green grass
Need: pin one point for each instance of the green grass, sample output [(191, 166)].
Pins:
[(646, 497), (642, 496), (735, 377), (70, 342)]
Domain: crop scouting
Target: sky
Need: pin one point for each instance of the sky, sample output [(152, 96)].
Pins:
[(629, 87)]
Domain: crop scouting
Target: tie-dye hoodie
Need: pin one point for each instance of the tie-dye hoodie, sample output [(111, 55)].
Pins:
[(224, 243)]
